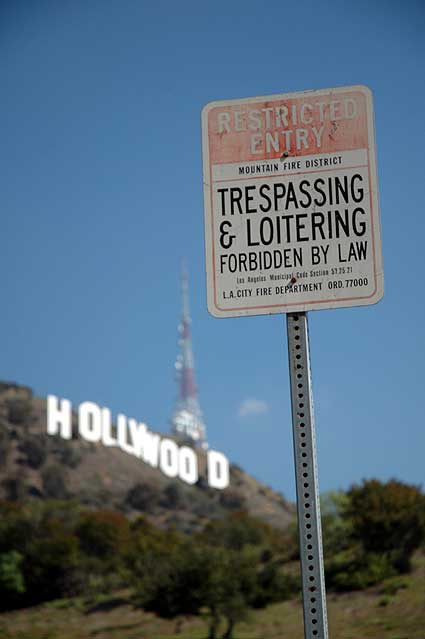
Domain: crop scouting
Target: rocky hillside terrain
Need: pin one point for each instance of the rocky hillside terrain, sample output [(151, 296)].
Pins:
[(34, 465)]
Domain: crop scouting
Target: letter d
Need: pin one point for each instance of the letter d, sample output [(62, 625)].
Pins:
[(218, 470)]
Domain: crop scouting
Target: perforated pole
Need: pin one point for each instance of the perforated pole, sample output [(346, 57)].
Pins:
[(308, 506)]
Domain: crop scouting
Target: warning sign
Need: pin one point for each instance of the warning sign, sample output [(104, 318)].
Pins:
[(291, 203)]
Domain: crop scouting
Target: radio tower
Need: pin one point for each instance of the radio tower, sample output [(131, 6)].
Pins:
[(187, 419)]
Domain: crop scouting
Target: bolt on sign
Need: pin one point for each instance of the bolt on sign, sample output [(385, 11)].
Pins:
[(291, 203)]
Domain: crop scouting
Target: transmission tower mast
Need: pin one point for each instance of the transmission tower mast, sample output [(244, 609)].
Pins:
[(187, 420)]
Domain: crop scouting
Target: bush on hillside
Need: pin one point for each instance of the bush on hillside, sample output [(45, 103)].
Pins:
[(15, 488), (19, 411), (5, 444), (337, 528), (12, 583), (236, 531), (353, 569), (40, 552), (371, 532), (173, 496), (51, 566), (232, 500), (387, 519), (66, 453), (103, 534), (185, 578), (142, 497), (34, 449), (54, 482)]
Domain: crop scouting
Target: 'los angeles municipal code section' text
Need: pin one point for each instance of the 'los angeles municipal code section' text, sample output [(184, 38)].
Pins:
[(291, 206)]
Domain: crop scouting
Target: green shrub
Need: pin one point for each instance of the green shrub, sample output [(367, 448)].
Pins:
[(17, 527), (11, 577), (384, 601), (337, 528), (51, 564), (103, 534), (355, 570), (235, 531), (393, 585), (273, 585)]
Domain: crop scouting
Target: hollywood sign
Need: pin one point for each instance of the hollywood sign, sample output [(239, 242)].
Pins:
[(134, 438)]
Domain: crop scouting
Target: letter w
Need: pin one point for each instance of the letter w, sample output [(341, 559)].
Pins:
[(151, 448)]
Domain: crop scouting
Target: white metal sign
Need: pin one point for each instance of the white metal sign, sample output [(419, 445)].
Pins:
[(291, 203)]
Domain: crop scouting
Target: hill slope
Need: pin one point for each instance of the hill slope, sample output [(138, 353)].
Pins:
[(392, 610), (36, 465)]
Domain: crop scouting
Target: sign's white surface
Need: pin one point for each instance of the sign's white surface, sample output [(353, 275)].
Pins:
[(291, 203)]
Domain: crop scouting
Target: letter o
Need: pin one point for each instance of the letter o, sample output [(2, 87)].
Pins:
[(188, 465), (90, 422), (169, 458)]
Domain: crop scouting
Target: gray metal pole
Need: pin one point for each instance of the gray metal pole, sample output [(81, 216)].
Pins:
[(308, 506)]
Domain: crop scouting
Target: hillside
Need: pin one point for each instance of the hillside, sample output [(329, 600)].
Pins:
[(392, 610), (35, 465)]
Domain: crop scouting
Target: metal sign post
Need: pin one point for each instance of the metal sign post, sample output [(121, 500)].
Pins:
[(308, 505)]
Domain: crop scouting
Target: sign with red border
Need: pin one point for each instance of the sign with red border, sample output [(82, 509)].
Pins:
[(291, 203)]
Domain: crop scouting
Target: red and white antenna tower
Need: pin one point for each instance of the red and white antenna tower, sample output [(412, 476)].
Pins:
[(187, 421)]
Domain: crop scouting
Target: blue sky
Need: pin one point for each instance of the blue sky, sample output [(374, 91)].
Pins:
[(102, 198)]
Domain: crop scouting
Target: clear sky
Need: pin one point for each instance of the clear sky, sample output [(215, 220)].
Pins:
[(101, 198)]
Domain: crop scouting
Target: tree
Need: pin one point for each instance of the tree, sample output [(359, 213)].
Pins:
[(51, 565), (168, 576), (388, 519), (184, 577), (236, 531), (273, 584), (104, 537), (16, 527), (229, 589), (103, 533), (371, 532), (337, 526)]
